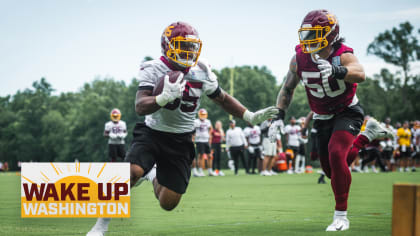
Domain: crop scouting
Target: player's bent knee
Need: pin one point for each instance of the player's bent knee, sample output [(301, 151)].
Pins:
[(169, 199), (136, 171)]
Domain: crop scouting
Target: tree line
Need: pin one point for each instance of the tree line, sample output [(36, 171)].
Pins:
[(38, 125)]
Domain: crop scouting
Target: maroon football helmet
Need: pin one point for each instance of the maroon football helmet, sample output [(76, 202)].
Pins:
[(318, 30), (181, 44)]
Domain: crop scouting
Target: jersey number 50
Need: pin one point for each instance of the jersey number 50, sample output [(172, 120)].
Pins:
[(320, 90)]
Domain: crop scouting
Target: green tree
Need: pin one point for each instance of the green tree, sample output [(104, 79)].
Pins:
[(398, 46)]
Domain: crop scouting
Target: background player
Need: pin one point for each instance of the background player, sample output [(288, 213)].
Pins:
[(404, 146), (165, 139), (330, 73), (116, 131), (253, 135), (269, 149), (292, 132), (203, 128)]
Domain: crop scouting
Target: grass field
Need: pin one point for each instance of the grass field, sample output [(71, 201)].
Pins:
[(230, 205)]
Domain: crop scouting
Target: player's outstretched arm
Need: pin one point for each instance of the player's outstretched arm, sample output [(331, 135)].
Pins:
[(286, 92), (355, 71), (229, 104), (234, 107), (145, 102), (283, 100)]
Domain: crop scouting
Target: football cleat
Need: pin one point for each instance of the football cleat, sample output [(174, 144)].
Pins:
[(374, 130), (221, 173), (339, 224), (100, 227)]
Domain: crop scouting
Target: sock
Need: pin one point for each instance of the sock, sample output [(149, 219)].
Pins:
[(340, 214), (359, 143), (338, 148)]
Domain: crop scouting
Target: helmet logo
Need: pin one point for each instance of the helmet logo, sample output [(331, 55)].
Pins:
[(168, 31), (331, 18)]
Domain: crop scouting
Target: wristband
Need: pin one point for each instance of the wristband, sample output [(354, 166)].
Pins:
[(280, 115), (161, 100), (339, 72)]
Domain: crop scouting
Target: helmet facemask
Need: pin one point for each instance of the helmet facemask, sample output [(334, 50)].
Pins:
[(184, 50), (313, 39)]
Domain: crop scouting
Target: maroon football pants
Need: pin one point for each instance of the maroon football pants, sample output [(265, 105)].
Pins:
[(342, 150)]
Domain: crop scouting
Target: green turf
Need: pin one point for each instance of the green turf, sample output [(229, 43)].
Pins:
[(230, 205)]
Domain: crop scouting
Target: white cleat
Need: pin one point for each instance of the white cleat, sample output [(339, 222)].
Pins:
[(265, 173), (374, 130), (339, 224), (195, 172), (221, 173), (273, 173), (211, 172), (290, 171), (100, 227)]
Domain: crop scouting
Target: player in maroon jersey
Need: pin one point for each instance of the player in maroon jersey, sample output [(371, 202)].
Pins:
[(330, 73)]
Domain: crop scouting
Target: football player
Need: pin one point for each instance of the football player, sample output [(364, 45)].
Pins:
[(292, 132), (165, 139), (253, 136), (404, 146), (330, 73), (203, 129), (116, 131)]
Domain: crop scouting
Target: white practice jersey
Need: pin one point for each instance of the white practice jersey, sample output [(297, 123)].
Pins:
[(293, 132), (253, 134), (202, 129), (179, 119), (118, 128)]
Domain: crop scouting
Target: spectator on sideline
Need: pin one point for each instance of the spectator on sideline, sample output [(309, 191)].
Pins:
[(292, 131), (116, 131), (217, 135), (388, 145), (303, 140), (235, 144), (405, 148), (253, 135), (269, 150)]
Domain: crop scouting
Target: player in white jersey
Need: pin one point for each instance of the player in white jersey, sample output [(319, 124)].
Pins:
[(253, 135), (166, 137), (292, 132), (116, 131), (203, 129), (270, 150), (303, 140)]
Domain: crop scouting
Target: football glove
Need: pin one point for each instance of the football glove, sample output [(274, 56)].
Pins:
[(261, 115), (171, 91), (276, 128), (206, 67), (112, 135), (327, 69), (122, 135)]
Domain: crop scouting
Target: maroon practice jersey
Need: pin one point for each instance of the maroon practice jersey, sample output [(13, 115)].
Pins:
[(325, 96)]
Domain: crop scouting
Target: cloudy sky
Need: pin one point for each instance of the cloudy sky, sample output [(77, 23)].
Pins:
[(72, 42)]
